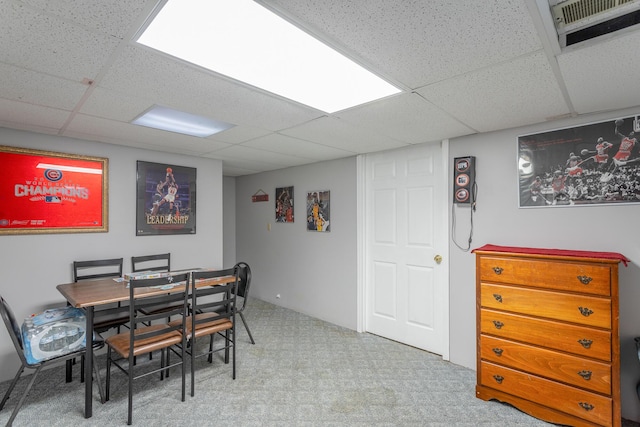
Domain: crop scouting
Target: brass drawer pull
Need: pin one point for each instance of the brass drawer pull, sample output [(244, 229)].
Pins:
[(498, 351), (586, 406), (498, 324), (585, 342), (498, 378), (585, 311), (585, 280), (498, 297), (497, 270), (585, 374)]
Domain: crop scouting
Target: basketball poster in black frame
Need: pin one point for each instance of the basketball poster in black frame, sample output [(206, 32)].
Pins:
[(165, 199), (592, 164)]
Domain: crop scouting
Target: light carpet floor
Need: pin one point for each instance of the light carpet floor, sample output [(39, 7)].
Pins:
[(301, 372)]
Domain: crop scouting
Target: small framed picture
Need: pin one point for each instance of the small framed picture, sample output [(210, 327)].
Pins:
[(319, 211), (284, 204)]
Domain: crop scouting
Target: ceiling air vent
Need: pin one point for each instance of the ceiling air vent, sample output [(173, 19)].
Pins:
[(580, 20)]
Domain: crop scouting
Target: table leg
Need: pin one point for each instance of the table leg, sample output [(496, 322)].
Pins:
[(88, 365)]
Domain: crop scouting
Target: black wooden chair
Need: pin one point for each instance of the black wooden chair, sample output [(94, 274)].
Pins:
[(142, 339), (213, 313), (16, 337), (244, 274), (92, 270), (100, 269)]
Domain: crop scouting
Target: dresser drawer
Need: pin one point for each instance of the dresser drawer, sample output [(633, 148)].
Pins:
[(563, 276), (571, 400), (573, 370), (582, 309), (578, 340)]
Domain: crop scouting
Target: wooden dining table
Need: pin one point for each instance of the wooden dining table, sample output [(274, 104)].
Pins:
[(90, 295)]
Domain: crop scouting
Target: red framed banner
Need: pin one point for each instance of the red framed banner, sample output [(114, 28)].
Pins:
[(48, 192)]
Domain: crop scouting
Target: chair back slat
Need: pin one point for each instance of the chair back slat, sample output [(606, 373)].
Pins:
[(97, 269), (158, 262), (138, 303)]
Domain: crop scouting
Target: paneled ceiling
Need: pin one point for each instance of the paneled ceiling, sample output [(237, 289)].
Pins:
[(70, 68)]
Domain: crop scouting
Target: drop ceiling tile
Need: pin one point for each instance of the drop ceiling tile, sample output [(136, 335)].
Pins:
[(417, 42), (229, 169), (52, 45), (36, 118), (239, 157), (244, 164), (515, 93), (408, 118), (113, 105), (121, 107), (296, 147), (113, 132), (113, 17), (239, 134), (252, 154), (144, 73), (604, 76), (38, 88), (337, 133)]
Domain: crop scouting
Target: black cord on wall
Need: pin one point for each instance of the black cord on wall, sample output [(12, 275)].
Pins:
[(474, 194)]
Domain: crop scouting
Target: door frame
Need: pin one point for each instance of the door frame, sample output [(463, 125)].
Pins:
[(443, 195)]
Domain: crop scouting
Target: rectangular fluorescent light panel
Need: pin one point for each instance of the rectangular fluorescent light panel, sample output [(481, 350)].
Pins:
[(243, 40), (163, 118)]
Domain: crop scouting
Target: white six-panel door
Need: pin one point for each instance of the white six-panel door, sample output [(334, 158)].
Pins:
[(405, 288)]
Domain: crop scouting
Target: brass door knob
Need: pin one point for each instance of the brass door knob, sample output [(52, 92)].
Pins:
[(437, 259)]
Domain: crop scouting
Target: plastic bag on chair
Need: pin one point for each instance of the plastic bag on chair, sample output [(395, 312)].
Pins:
[(52, 333)]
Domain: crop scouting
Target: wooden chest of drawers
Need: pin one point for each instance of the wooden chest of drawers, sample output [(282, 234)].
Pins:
[(547, 334)]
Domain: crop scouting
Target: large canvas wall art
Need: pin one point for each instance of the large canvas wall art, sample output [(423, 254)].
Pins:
[(593, 164)]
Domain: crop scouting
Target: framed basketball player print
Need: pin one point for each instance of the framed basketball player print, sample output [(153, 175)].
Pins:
[(49, 192), (319, 211), (284, 204), (165, 199), (593, 164)]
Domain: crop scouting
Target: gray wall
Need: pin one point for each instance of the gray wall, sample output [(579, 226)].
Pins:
[(32, 265), (498, 220), (314, 273)]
